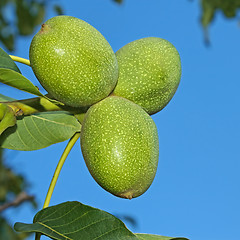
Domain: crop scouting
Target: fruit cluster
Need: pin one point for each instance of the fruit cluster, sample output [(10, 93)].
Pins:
[(119, 140)]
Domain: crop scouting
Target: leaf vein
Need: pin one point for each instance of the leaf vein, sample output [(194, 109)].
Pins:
[(50, 133), (87, 226), (17, 132), (73, 220), (53, 219), (39, 130), (47, 215), (54, 230), (34, 138), (55, 122), (106, 233)]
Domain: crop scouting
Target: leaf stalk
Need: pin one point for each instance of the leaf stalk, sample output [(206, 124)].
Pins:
[(58, 169), (66, 152)]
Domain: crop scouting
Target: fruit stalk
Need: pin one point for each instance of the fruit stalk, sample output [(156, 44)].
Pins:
[(20, 60)]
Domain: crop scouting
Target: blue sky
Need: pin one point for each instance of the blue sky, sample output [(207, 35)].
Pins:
[(196, 190)]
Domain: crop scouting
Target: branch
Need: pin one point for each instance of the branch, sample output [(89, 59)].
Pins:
[(21, 197), (40, 104)]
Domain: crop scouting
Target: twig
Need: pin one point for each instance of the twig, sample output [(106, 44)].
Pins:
[(21, 197)]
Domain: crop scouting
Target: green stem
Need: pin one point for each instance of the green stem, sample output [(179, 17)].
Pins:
[(33, 105), (67, 150), (21, 60)]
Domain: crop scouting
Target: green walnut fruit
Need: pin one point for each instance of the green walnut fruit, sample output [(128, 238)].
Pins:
[(149, 73), (73, 61), (119, 142)]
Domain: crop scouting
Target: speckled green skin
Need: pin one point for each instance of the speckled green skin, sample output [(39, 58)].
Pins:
[(119, 143), (73, 61), (149, 73)]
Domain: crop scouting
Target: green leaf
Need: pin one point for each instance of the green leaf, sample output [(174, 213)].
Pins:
[(118, 1), (208, 11), (7, 233), (39, 131), (11, 183), (7, 39), (39, 17), (25, 21), (13, 187), (17, 80), (7, 117), (156, 237), (58, 9), (76, 221), (7, 62), (210, 7)]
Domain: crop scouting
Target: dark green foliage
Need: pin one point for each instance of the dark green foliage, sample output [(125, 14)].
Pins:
[(28, 14), (9, 182), (12, 185), (58, 9), (118, 1), (229, 9), (7, 233), (210, 7)]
